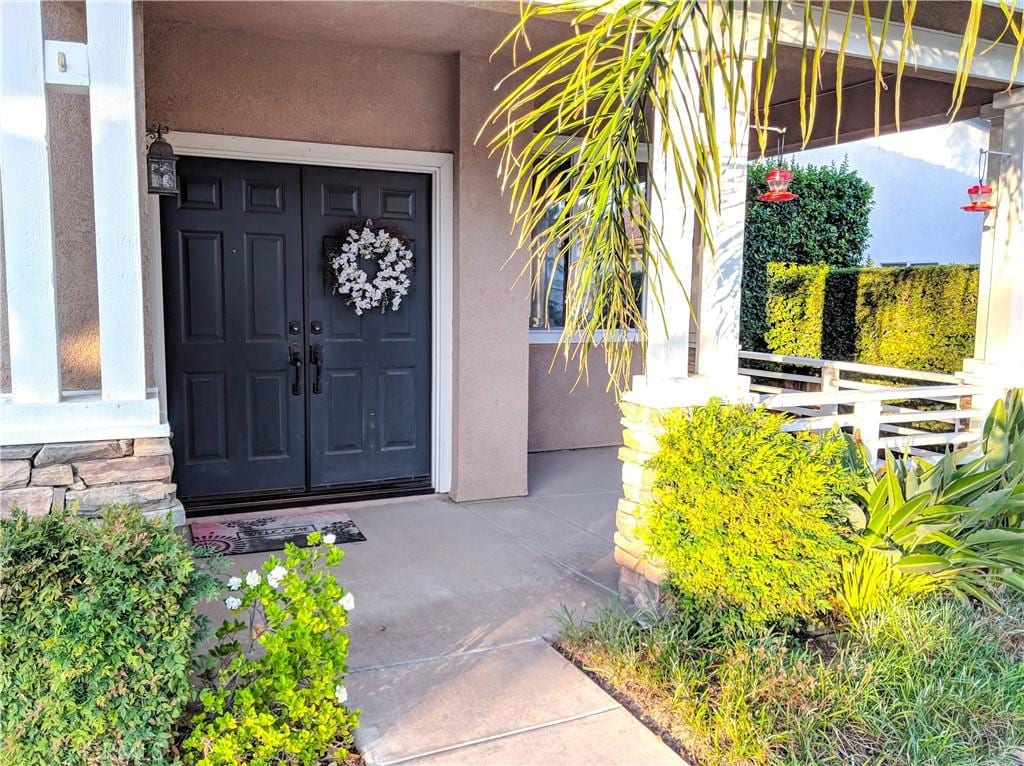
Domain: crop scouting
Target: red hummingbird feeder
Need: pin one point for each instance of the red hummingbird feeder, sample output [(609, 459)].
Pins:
[(981, 199), (778, 181), (981, 193)]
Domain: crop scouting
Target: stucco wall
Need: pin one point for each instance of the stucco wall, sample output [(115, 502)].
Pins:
[(309, 91), (492, 313), (566, 417), (220, 81)]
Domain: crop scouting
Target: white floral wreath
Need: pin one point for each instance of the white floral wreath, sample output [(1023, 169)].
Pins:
[(394, 262)]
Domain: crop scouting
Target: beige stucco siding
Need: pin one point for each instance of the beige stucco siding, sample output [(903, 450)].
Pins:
[(222, 81), (567, 412), (492, 314)]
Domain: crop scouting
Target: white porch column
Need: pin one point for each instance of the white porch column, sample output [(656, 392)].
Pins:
[(721, 259), (27, 207), (713, 298), (668, 314), (115, 174), (999, 339)]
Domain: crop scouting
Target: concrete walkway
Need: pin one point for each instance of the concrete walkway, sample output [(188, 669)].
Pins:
[(455, 603)]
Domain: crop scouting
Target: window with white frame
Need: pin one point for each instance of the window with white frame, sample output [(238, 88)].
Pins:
[(553, 276)]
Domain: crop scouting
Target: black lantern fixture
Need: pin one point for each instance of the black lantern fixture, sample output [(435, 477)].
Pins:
[(161, 163)]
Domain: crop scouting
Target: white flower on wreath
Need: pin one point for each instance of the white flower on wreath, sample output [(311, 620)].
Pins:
[(392, 281)]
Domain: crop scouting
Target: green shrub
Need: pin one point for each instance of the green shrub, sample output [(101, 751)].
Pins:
[(956, 524), (920, 317), (285, 702), (934, 682), (827, 224), (97, 630), (746, 518)]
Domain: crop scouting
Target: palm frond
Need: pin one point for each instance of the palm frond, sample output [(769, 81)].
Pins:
[(573, 118)]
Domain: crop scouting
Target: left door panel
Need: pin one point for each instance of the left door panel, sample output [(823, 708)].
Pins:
[(233, 295)]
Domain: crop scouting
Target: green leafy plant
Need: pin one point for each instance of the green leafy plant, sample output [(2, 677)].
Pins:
[(919, 317), (97, 630), (747, 520), (827, 224), (956, 524), (276, 693)]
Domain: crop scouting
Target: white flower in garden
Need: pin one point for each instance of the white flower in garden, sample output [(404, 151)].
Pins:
[(341, 694), (234, 583), (329, 538), (252, 579), (276, 575), (232, 602), (348, 602)]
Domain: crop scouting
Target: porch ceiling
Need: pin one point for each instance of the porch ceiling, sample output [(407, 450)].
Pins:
[(925, 100), (477, 26)]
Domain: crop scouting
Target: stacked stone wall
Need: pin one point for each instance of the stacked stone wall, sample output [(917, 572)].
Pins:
[(90, 476)]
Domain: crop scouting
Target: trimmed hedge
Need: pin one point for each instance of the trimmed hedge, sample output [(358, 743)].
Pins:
[(827, 223), (917, 317)]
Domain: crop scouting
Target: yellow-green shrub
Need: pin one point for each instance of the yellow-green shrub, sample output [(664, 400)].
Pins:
[(919, 317), (748, 520)]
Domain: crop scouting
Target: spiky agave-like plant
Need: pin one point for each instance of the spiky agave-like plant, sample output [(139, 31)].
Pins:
[(568, 130)]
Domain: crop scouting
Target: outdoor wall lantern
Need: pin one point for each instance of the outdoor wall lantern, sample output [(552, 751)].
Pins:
[(161, 163), (981, 193), (778, 180)]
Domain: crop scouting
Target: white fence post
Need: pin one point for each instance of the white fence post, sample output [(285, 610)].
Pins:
[(830, 382), (869, 421), (27, 207), (115, 170)]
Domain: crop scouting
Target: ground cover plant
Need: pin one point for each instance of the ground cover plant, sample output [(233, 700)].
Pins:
[(97, 631), (911, 649), (274, 688), (937, 682)]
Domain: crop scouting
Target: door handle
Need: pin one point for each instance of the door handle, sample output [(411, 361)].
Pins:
[(295, 360), (316, 351)]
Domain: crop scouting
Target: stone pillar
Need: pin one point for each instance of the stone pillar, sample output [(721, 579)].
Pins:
[(998, 360), (667, 384)]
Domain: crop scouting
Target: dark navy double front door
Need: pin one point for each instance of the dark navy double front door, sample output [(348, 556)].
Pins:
[(274, 384)]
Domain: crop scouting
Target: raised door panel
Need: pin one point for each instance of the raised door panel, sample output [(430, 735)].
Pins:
[(378, 429), (233, 281)]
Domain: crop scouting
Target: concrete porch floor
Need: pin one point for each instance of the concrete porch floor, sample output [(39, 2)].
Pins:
[(455, 604)]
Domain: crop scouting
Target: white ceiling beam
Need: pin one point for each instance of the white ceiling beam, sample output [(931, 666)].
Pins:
[(933, 50)]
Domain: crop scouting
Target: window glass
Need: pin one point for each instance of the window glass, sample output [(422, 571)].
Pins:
[(549, 287)]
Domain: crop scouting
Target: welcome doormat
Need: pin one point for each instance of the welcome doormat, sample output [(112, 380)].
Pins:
[(270, 533)]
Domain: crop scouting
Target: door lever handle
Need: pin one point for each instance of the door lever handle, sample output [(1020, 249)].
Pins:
[(295, 360), (317, 354)]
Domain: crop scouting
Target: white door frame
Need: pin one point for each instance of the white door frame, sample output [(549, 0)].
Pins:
[(438, 165)]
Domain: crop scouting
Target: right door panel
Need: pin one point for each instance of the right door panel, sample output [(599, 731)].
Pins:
[(371, 419)]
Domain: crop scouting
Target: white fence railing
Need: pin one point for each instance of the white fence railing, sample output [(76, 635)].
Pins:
[(920, 413)]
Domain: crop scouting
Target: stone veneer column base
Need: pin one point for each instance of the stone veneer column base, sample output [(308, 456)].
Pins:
[(89, 476), (640, 576)]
